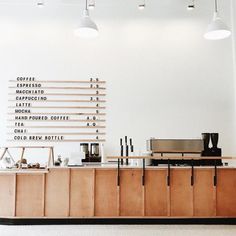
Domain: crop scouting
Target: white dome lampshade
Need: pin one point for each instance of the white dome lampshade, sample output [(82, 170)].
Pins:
[(87, 28), (217, 29)]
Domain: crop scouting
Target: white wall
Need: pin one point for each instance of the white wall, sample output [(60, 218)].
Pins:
[(164, 80)]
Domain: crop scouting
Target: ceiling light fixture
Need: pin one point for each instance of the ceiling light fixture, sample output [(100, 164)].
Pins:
[(141, 4), (217, 29), (87, 28), (40, 3), (91, 4), (191, 6)]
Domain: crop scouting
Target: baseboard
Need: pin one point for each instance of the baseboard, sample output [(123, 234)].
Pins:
[(118, 221)]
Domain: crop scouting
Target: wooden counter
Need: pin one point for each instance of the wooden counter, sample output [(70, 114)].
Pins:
[(94, 193)]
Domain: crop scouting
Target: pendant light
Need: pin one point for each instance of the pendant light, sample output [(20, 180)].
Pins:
[(141, 5), (217, 29), (87, 28), (91, 5), (40, 3), (191, 6)]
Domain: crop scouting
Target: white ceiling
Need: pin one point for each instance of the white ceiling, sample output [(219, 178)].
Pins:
[(119, 9)]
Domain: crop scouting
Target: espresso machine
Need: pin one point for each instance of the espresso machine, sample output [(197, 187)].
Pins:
[(175, 147), (189, 147), (91, 152)]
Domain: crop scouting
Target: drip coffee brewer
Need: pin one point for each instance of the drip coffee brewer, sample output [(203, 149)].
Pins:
[(214, 151), (91, 152), (206, 142)]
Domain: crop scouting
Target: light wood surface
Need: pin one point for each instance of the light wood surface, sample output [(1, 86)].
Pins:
[(56, 121), (29, 195), (181, 193), (131, 197), (59, 81), (203, 192), (57, 193), (171, 157), (156, 193), (61, 101), (82, 192), (61, 107), (106, 197), (64, 94), (58, 88), (93, 192), (61, 113), (226, 192), (58, 141), (61, 127), (82, 133), (7, 195)]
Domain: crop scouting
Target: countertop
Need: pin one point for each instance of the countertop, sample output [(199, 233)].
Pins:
[(103, 166)]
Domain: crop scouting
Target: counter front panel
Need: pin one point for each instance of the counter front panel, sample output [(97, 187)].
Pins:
[(101, 193)]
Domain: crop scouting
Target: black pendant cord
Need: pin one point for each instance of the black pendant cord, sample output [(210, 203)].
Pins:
[(216, 6), (86, 7)]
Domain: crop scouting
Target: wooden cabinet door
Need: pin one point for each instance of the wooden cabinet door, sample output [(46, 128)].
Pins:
[(106, 195), (226, 192), (131, 193), (156, 193), (82, 193), (57, 193), (181, 192), (7, 194), (204, 196), (30, 195)]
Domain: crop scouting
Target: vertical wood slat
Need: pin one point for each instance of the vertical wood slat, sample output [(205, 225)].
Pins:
[(106, 195), (143, 201), (7, 195), (215, 200), (57, 192), (43, 194), (94, 184), (29, 195), (226, 192), (15, 184), (131, 198), (69, 205), (82, 193), (204, 192), (118, 200), (181, 192), (168, 201), (156, 200)]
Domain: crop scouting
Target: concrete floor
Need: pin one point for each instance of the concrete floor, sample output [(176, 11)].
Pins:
[(119, 230)]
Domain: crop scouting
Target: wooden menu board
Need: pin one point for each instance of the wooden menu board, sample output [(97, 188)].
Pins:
[(56, 111)]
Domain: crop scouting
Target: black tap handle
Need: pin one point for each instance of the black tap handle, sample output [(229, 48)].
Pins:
[(127, 154), (130, 141), (131, 148), (127, 150), (122, 154), (121, 142), (126, 140)]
